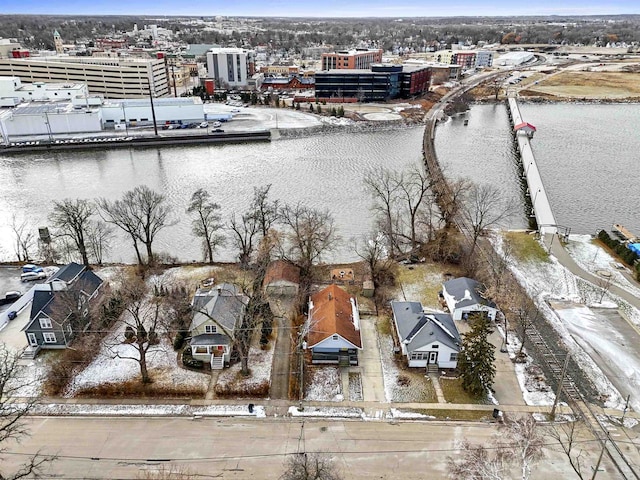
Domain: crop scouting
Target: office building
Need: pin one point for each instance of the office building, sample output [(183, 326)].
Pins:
[(358, 59), (110, 77), (230, 67)]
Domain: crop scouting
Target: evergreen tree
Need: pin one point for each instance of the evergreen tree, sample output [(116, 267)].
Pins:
[(476, 359), (311, 107), (334, 113), (319, 110), (340, 111)]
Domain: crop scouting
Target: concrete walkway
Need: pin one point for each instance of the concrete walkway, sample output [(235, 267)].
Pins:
[(435, 381), (558, 250), (211, 394), (370, 362)]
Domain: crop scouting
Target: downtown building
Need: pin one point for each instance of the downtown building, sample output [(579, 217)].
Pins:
[(381, 83), (109, 77), (231, 67), (358, 59)]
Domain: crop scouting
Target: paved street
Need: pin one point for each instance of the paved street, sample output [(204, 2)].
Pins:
[(241, 449)]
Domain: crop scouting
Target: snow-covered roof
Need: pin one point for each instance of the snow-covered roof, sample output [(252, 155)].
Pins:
[(464, 292), (417, 329)]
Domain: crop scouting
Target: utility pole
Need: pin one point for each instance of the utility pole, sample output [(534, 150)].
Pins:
[(153, 110), (559, 389)]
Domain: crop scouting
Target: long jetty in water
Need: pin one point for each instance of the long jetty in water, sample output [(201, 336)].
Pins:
[(539, 200)]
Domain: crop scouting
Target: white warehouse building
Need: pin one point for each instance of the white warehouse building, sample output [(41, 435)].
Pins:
[(49, 119), (515, 58), (137, 112), (230, 67)]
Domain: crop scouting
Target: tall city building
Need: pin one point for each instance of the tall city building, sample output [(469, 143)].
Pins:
[(230, 67), (107, 76)]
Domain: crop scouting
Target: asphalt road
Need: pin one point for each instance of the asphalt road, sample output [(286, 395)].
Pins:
[(10, 281), (119, 448)]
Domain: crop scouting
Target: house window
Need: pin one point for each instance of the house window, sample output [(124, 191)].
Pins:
[(419, 355), (210, 329), (435, 346), (49, 337), (334, 337), (200, 349), (453, 357), (45, 323)]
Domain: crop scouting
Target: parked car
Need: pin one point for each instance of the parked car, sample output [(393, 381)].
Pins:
[(10, 297), (30, 267), (33, 276), (217, 130), (12, 314), (203, 125), (217, 125)]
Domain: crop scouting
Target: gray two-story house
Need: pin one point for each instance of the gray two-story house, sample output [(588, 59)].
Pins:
[(60, 307)]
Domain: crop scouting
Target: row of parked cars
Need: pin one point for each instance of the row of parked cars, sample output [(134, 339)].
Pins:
[(31, 273)]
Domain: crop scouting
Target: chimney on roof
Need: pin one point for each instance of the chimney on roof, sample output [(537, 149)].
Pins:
[(330, 297)]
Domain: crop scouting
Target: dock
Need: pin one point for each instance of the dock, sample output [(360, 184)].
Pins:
[(539, 200), (624, 234)]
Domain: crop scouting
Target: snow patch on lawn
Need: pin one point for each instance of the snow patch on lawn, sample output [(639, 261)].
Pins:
[(260, 362), (333, 412), (593, 258), (395, 413), (535, 390), (147, 410), (335, 121), (107, 367), (325, 385), (28, 378)]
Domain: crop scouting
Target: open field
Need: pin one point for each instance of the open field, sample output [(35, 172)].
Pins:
[(571, 84)]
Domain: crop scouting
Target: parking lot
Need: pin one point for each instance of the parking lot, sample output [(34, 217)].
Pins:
[(10, 281)]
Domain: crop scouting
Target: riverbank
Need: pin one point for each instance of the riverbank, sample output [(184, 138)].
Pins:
[(93, 142)]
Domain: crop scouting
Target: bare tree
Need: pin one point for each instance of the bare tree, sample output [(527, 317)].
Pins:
[(244, 231), (518, 444), (311, 233), (71, 219), (371, 249), (141, 213), (25, 238), (414, 187), (485, 207), (383, 185), (206, 223), (99, 237), (310, 466), (142, 322), (119, 214), (13, 412), (450, 198), (266, 212), (568, 439)]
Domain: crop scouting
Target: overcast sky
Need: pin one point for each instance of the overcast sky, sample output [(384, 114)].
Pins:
[(327, 8)]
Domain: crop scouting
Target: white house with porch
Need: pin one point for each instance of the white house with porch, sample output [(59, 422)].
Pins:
[(217, 314), (428, 340)]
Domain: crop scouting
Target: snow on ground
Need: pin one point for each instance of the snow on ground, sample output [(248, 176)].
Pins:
[(594, 334), (412, 391), (339, 122), (551, 281), (382, 116), (28, 378), (188, 275), (395, 413), (334, 412), (592, 258), (148, 410), (325, 385), (535, 390), (263, 118), (161, 362), (260, 362)]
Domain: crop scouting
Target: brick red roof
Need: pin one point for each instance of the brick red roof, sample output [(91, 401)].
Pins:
[(332, 314), (524, 126), (281, 270)]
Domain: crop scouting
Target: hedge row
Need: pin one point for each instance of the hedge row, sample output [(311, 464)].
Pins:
[(628, 256)]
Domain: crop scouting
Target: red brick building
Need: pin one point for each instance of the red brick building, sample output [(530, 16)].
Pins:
[(360, 58)]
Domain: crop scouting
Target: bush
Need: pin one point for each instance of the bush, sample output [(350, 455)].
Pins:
[(178, 341), (627, 256), (190, 362), (242, 390)]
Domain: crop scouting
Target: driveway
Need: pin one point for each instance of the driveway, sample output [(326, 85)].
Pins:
[(370, 364), (12, 335)]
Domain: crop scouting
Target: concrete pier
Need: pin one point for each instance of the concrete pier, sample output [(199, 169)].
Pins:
[(539, 200)]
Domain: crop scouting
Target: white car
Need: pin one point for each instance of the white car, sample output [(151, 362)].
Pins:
[(203, 125), (217, 125), (32, 276)]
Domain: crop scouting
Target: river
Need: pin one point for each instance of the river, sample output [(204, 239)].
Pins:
[(587, 154), (325, 171)]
